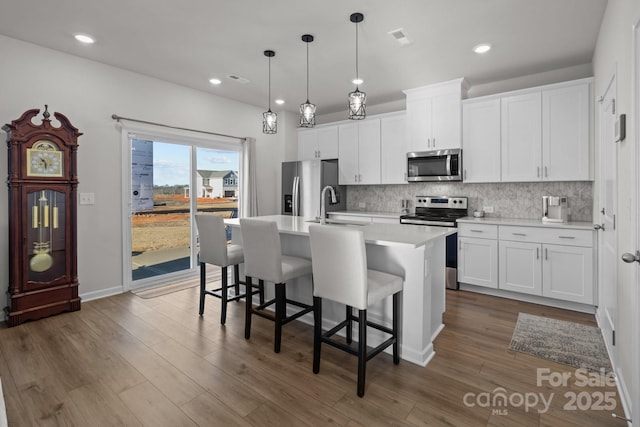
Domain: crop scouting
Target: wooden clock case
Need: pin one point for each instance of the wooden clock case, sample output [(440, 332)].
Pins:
[(44, 204)]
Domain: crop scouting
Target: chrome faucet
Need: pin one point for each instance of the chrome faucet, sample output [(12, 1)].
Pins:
[(323, 214)]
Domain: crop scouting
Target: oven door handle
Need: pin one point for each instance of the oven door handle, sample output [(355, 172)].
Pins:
[(448, 164)]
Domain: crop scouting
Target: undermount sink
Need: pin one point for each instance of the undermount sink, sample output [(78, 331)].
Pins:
[(336, 222)]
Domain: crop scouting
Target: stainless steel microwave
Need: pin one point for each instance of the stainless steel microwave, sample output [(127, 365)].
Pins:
[(437, 165)]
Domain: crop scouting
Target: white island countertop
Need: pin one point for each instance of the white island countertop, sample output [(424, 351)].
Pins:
[(578, 225), (372, 214), (374, 233)]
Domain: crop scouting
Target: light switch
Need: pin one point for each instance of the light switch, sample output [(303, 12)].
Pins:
[(87, 199)]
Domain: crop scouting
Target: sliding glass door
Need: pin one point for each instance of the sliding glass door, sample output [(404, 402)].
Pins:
[(171, 180)]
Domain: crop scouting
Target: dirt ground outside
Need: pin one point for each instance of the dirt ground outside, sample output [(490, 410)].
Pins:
[(168, 225)]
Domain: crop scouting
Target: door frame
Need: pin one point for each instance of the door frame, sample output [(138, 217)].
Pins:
[(635, 220), (168, 135)]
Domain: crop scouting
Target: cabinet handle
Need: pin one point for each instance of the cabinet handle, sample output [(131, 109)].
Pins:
[(428, 142), (538, 173), (546, 174), (434, 143), (546, 254), (465, 174), (359, 178), (355, 178), (477, 231), (566, 237), (405, 176), (518, 234), (460, 244), (537, 253)]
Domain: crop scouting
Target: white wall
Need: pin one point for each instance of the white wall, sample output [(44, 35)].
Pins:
[(614, 51), (88, 93)]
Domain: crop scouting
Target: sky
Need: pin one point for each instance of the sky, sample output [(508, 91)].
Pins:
[(171, 162)]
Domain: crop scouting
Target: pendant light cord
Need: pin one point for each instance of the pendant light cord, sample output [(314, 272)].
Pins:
[(269, 100), (357, 74), (307, 72)]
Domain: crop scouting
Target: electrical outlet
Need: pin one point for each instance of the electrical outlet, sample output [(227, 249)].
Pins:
[(87, 199), (362, 206), (488, 209)]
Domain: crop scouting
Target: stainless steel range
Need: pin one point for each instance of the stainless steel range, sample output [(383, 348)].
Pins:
[(441, 211)]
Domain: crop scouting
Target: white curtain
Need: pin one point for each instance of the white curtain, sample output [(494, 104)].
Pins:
[(249, 190)]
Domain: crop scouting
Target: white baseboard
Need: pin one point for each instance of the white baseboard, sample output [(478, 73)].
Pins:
[(103, 293)]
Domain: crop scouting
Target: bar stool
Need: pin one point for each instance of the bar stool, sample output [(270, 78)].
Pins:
[(214, 250), (340, 274), (263, 259)]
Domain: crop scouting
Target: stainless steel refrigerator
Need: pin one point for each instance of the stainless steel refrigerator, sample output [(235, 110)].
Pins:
[(302, 184)]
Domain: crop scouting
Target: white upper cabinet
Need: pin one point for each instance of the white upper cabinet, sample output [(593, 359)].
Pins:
[(359, 152), (565, 133), (521, 137), (481, 140), (393, 149), (318, 143), (434, 116), (544, 135)]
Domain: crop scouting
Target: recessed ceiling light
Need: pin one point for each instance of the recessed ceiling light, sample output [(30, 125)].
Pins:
[(357, 81), (83, 38), (482, 48), (215, 81), (279, 101)]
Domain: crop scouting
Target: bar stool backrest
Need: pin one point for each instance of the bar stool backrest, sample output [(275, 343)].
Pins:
[(339, 260), (213, 239), (262, 250)]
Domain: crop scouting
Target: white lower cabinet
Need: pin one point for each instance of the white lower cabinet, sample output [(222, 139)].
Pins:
[(520, 267), (567, 273), (478, 255), (548, 262)]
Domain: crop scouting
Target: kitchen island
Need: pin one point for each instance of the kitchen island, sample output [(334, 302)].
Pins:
[(416, 253)]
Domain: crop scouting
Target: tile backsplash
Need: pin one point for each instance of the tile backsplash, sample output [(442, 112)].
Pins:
[(509, 200)]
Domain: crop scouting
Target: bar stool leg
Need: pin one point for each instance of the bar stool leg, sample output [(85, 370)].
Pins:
[(281, 308), (349, 313), (236, 278), (396, 344), (203, 285), (261, 290), (225, 296), (362, 350), (248, 310), (317, 333)]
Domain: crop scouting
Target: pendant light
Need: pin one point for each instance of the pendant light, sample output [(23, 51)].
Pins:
[(307, 110), (269, 118), (357, 99)]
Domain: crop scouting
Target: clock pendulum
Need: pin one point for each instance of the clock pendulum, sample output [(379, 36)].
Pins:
[(45, 220)]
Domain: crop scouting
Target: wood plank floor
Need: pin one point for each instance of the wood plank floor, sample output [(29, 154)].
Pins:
[(130, 361)]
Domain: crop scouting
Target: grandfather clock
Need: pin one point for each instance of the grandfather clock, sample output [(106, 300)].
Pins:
[(43, 184)]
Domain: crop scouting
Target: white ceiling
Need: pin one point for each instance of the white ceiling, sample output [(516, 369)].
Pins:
[(189, 41)]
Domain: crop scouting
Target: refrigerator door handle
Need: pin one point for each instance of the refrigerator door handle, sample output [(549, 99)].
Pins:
[(296, 187)]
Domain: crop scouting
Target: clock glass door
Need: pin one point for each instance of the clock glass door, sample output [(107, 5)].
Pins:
[(46, 237)]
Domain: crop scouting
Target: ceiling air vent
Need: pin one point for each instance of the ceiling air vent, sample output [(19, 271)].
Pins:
[(238, 79), (401, 36)]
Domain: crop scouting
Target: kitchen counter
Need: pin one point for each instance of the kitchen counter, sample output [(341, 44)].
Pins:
[(374, 233), (577, 225), (416, 253)]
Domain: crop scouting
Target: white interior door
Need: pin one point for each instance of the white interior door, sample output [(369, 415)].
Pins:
[(635, 224), (607, 240)]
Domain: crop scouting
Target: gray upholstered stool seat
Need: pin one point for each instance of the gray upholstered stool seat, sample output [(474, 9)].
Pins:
[(214, 250), (340, 274), (264, 260)]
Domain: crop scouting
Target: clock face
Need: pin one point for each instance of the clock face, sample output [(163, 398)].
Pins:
[(44, 160)]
